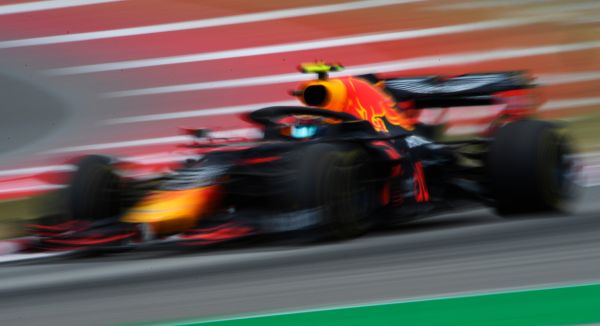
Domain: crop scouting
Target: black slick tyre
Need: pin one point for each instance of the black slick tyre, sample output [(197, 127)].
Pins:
[(335, 179), (94, 190), (530, 167)]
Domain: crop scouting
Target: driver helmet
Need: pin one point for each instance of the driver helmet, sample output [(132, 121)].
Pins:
[(304, 127)]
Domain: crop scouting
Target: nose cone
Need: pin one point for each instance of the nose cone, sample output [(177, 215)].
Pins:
[(173, 211)]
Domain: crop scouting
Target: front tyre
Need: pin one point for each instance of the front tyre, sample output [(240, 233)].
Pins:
[(531, 168), (94, 189), (335, 179)]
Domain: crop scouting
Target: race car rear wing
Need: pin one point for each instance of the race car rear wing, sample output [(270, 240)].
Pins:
[(462, 90)]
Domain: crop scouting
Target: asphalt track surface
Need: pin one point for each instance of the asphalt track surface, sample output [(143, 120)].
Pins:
[(464, 252)]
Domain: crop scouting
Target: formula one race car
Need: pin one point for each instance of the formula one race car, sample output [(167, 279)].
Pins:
[(351, 160)]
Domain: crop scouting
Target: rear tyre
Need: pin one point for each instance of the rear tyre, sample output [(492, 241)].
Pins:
[(335, 179), (94, 190), (531, 168)]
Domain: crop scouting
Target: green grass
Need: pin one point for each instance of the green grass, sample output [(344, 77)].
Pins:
[(567, 305)]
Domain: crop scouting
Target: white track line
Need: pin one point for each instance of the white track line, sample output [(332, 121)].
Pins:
[(570, 103), (559, 9), (36, 170), (553, 79), (204, 23), (47, 5), (590, 179), (123, 144), (11, 258), (390, 66), (153, 158), (576, 77), (486, 4), (297, 46), (32, 188), (160, 158), (590, 173), (245, 132), (199, 113), (169, 157), (545, 6), (551, 105)]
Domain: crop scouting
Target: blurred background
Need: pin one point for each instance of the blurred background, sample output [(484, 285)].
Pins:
[(120, 76)]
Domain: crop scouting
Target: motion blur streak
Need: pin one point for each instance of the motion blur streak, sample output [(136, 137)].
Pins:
[(36, 170), (551, 7), (198, 113), (571, 103), (47, 5), (252, 132), (291, 47), (39, 187), (205, 23), (556, 79), (391, 66)]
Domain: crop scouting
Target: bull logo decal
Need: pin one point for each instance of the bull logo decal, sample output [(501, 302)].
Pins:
[(364, 100)]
